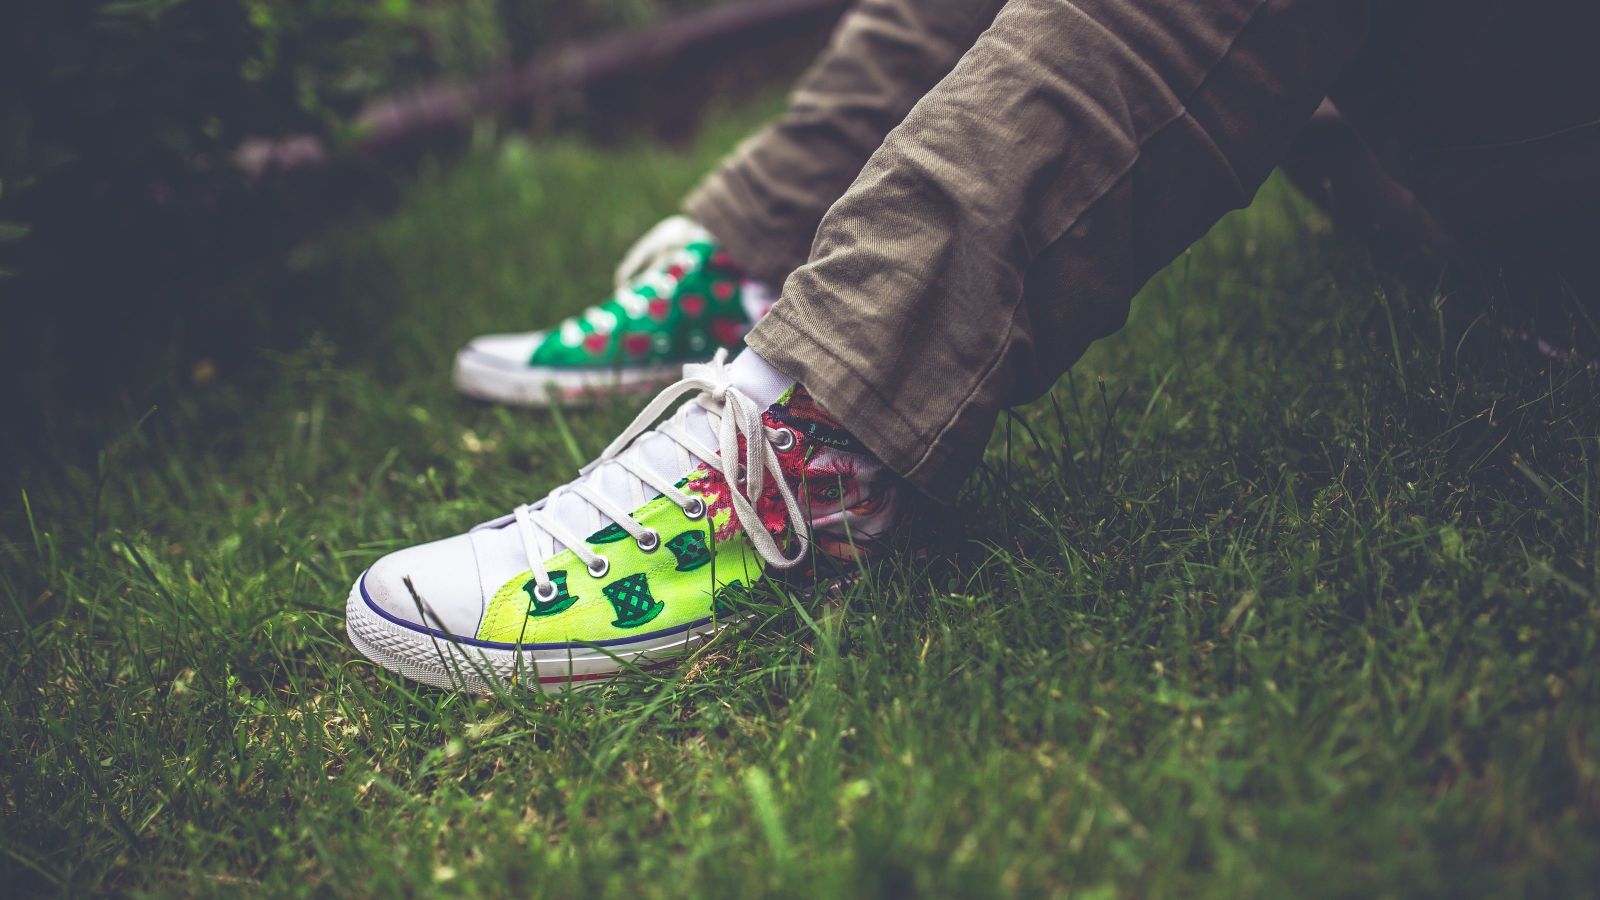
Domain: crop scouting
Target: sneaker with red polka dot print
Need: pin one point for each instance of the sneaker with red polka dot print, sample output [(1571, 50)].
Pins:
[(679, 298)]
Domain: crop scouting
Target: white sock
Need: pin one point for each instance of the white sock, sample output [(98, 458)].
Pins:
[(757, 378), (757, 298)]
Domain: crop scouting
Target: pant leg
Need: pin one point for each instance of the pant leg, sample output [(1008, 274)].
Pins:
[(1009, 220), (765, 201)]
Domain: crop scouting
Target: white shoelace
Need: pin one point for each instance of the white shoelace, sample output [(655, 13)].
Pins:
[(732, 415)]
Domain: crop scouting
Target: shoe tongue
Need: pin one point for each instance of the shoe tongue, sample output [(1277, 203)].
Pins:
[(750, 374)]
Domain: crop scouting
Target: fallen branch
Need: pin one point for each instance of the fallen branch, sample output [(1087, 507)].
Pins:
[(409, 119)]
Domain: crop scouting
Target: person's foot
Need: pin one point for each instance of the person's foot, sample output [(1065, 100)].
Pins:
[(678, 299), (645, 554)]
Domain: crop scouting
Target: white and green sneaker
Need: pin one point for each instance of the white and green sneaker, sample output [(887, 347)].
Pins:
[(644, 555), (678, 299)]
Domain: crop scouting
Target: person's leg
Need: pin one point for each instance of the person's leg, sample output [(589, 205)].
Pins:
[(764, 202), (1007, 222), (693, 285)]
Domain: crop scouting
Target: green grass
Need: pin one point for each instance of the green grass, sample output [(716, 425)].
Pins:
[(1285, 590)]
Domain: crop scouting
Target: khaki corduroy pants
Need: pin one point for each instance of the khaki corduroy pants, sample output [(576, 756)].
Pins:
[(963, 196)]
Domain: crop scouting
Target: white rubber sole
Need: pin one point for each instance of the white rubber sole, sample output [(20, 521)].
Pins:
[(492, 378), (480, 667)]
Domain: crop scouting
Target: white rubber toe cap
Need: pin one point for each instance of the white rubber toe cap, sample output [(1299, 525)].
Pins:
[(445, 576), (509, 350)]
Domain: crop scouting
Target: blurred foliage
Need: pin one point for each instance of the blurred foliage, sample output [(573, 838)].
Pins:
[(108, 106), (140, 101), (119, 202)]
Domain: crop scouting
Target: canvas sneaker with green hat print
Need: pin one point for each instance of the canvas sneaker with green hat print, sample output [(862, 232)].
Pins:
[(645, 554)]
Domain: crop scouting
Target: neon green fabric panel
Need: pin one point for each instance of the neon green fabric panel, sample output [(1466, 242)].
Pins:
[(642, 593)]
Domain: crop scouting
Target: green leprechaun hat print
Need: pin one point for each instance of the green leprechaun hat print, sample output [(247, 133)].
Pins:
[(690, 549), (631, 599)]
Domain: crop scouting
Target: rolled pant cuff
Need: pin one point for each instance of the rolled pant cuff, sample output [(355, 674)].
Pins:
[(762, 255), (935, 466)]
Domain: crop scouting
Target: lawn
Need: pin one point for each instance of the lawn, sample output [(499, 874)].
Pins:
[(1287, 589)]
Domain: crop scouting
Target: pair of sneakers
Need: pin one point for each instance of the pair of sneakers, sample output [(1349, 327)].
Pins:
[(649, 551)]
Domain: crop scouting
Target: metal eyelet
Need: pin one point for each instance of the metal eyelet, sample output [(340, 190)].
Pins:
[(599, 567), (784, 441), (650, 541), (695, 508), (545, 592)]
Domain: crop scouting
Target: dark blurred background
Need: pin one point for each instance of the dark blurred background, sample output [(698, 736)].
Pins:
[(153, 152)]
